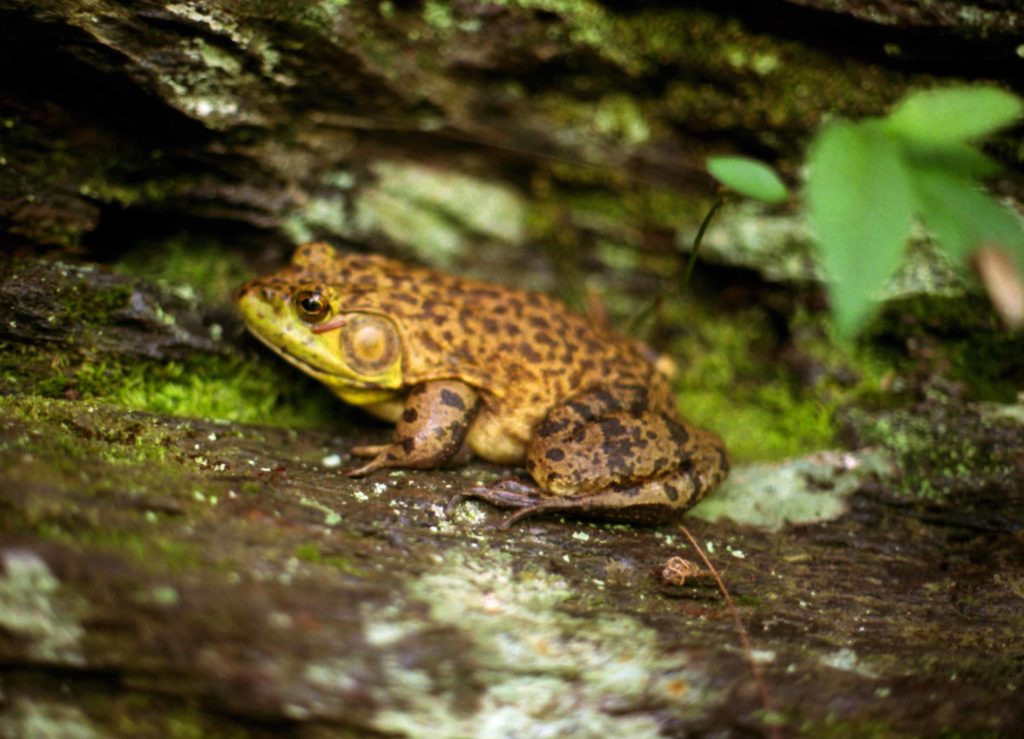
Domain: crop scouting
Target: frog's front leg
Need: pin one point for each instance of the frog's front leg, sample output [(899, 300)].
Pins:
[(431, 430)]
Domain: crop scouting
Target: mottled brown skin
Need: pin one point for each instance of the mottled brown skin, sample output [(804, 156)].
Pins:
[(515, 377)]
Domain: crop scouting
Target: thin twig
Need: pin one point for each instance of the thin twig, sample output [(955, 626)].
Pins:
[(741, 631), (655, 304)]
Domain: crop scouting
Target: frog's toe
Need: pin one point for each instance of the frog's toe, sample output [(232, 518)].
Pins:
[(507, 493), (511, 493), (368, 450), (380, 461)]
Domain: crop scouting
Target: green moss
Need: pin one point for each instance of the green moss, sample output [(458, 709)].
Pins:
[(148, 716), (586, 212), (960, 338), (732, 380), (103, 185), (174, 555), (942, 447), (590, 25), (235, 388), (190, 268), (775, 84), (79, 436), (439, 15), (229, 389), (311, 552), (852, 728), (762, 423), (726, 385), (70, 293), (618, 119)]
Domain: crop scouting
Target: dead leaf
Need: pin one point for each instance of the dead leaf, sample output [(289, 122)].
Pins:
[(998, 272)]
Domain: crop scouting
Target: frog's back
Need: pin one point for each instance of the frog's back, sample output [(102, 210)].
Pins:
[(520, 347)]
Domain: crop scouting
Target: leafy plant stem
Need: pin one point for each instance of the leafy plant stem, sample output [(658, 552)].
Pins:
[(654, 304), (699, 238)]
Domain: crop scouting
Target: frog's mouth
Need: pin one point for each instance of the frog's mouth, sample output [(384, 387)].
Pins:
[(332, 380), (292, 359)]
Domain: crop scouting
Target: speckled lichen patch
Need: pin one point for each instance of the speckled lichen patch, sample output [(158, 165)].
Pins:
[(544, 672), (34, 608), (803, 490), (47, 720)]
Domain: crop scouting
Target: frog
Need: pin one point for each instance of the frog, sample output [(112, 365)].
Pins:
[(467, 368)]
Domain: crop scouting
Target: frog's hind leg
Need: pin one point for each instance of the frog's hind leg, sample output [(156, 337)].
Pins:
[(589, 444)]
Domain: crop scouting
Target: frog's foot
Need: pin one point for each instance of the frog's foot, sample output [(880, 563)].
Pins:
[(378, 454), (507, 493), (511, 493), (379, 461)]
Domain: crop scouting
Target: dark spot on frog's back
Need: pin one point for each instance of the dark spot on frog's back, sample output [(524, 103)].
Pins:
[(409, 415), (679, 433), (528, 352), (452, 400), (671, 493), (555, 455), (428, 342)]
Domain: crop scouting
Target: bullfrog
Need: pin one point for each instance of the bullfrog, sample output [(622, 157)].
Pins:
[(464, 367)]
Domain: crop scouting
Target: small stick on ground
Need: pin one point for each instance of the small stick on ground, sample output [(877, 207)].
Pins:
[(741, 631)]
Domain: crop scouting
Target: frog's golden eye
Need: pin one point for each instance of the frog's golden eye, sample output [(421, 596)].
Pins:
[(311, 306), (370, 343)]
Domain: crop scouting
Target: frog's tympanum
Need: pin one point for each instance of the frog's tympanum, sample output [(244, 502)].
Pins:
[(463, 366)]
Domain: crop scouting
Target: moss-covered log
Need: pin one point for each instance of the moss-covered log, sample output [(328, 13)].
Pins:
[(227, 578)]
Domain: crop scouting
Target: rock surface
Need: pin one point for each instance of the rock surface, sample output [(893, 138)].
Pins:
[(161, 571)]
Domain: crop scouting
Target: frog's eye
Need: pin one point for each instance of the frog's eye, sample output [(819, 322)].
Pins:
[(311, 306), (370, 343)]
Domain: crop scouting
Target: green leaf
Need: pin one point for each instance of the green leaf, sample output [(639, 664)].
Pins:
[(954, 113), (860, 205), (748, 177), (954, 157), (962, 216)]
